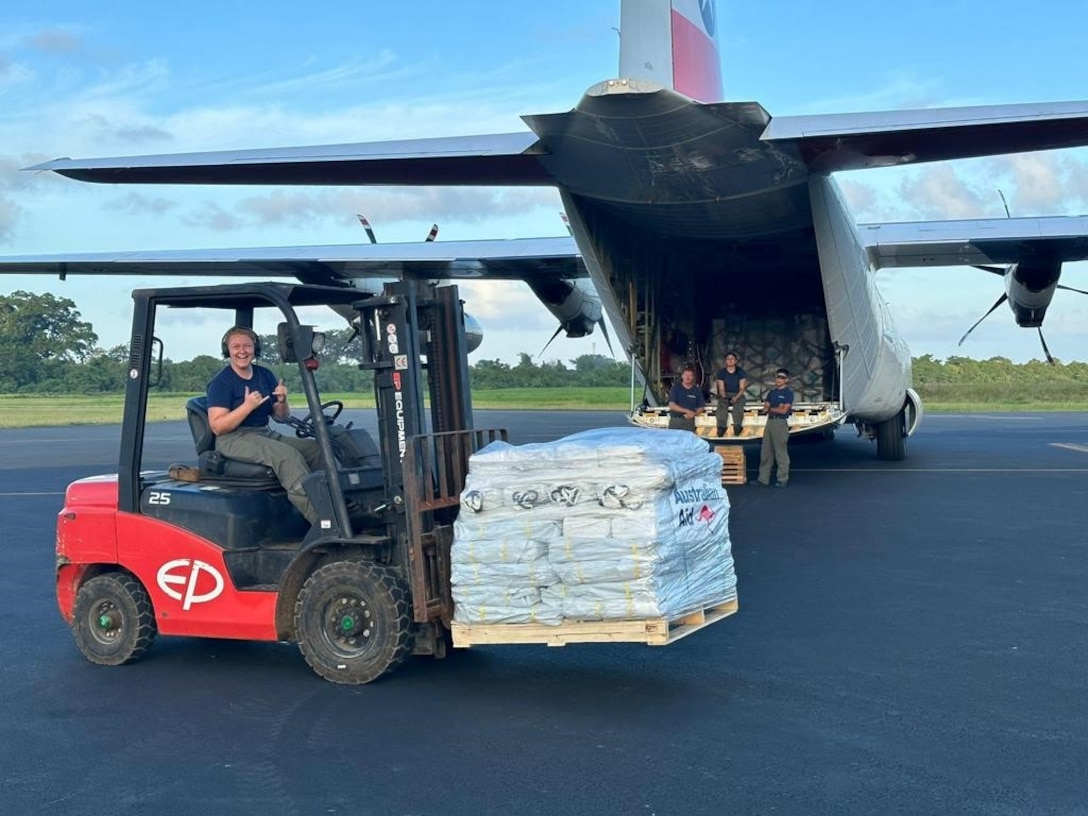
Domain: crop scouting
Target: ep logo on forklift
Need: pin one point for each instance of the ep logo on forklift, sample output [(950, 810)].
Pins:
[(186, 572)]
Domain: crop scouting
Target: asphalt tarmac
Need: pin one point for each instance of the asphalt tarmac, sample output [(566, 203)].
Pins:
[(912, 639)]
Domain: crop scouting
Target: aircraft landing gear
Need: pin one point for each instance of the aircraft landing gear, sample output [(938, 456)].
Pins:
[(891, 439)]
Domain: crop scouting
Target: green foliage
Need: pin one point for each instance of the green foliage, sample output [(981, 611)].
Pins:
[(46, 349), (40, 337), (590, 370)]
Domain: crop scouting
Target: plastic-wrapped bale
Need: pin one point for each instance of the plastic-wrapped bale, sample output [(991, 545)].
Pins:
[(499, 565), (632, 524)]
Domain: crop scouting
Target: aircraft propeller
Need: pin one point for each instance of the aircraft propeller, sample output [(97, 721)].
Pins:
[(550, 341), (1004, 297), (604, 333), (1004, 272), (367, 227), (370, 230)]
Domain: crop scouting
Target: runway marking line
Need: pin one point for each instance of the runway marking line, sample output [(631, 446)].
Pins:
[(1070, 446), (984, 416), (941, 470)]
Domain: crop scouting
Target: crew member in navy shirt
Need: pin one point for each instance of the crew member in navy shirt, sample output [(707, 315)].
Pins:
[(730, 383), (686, 401), (241, 399), (777, 405)]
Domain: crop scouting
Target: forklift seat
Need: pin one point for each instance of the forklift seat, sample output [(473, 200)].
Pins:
[(211, 462)]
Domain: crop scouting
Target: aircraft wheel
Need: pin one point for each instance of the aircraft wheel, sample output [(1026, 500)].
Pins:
[(114, 622), (891, 442), (354, 621)]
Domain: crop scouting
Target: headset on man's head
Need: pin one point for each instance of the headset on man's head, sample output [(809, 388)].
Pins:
[(242, 330)]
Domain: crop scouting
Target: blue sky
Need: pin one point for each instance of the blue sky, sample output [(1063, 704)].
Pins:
[(118, 78)]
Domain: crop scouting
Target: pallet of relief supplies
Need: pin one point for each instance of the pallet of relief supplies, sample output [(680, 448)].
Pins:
[(653, 632), (609, 535)]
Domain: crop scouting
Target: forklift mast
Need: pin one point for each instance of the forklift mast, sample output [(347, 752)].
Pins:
[(408, 323)]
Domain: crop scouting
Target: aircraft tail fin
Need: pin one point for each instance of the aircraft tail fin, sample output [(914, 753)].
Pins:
[(673, 44)]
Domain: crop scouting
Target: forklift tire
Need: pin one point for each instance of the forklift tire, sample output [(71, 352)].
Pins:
[(354, 621), (113, 621)]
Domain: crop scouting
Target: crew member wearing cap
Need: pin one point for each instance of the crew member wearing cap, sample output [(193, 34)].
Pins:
[(686, 401), (777, 405)]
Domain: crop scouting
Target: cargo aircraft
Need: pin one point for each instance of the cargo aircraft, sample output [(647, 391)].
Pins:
[(699, 225)]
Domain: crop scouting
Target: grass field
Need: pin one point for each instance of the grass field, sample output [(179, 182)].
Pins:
[(18, 411)]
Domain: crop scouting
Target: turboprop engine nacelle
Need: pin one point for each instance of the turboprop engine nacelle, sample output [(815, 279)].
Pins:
[(573, 302), (1030, 287), (474, 333)]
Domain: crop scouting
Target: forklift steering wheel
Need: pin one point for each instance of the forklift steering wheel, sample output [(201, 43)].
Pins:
[(305, 426)]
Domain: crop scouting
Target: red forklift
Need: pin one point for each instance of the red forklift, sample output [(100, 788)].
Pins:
[(217, 550)]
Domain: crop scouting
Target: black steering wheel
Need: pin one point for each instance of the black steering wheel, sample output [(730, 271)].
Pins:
[(304, 427)]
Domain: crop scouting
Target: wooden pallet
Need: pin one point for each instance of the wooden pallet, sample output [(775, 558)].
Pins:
[(733, 465), (654, 632)]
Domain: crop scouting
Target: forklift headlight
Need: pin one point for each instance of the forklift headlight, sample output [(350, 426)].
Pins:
[(317, 344)]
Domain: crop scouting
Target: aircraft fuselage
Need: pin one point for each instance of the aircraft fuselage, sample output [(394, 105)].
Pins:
[(701, 238)]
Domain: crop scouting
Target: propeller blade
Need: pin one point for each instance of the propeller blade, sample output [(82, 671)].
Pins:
[(550, 341), (366, 226), (1000, 300), (1046, 351), (432, 234), (1072, 289), (1003, 201), (996, 270), (604, 333)]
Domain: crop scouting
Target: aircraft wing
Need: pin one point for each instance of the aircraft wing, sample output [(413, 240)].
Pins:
[(508, 159), (519, 259), (999, 241), (825, 143), (854, 141)]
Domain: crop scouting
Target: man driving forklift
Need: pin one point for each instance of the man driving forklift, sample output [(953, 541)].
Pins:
[(241, 399)]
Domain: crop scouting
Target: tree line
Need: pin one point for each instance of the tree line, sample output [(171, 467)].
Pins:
[(46, 348)]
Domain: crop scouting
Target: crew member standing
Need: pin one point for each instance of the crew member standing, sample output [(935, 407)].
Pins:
[(778, 405), (686, 401), (729, 384)]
